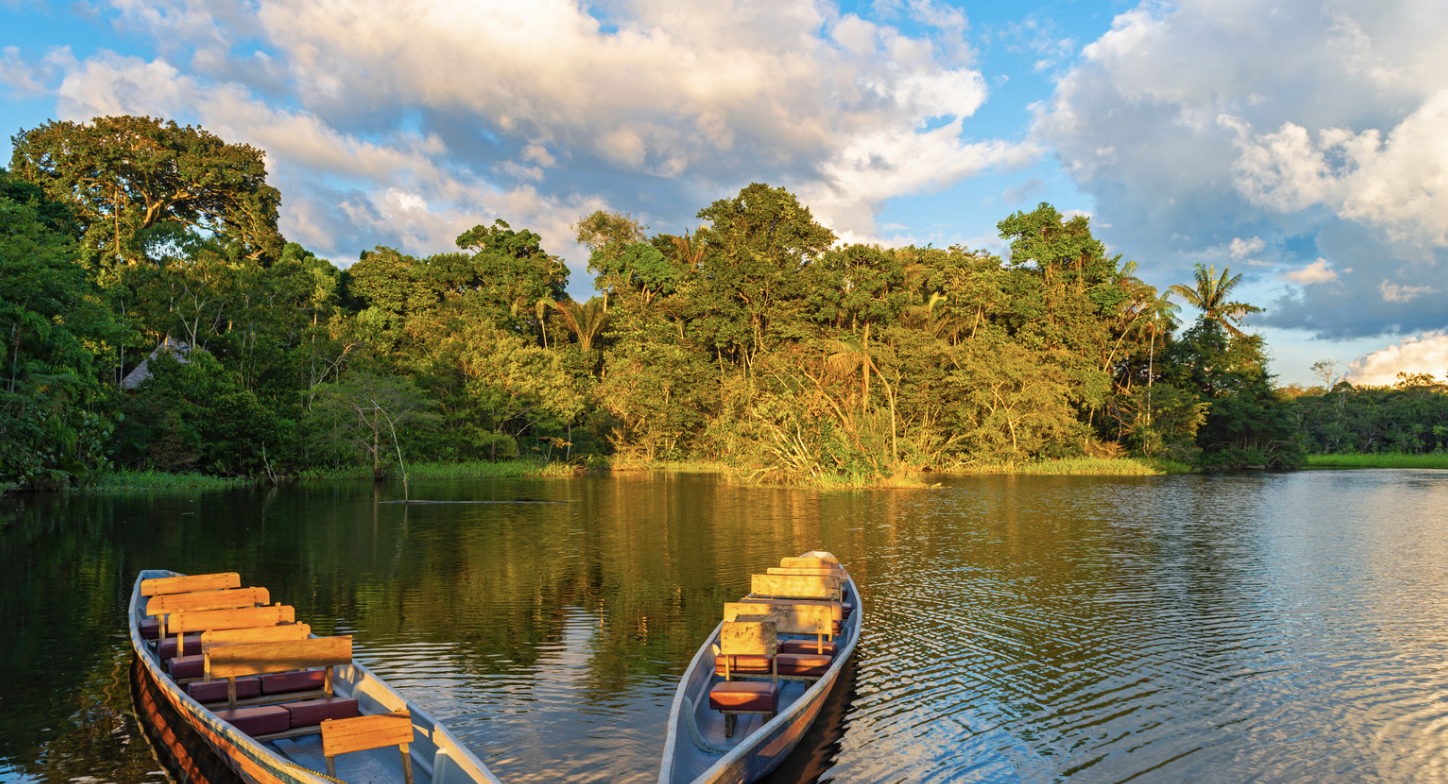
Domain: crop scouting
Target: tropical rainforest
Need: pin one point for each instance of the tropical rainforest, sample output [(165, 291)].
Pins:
[(758, 340)]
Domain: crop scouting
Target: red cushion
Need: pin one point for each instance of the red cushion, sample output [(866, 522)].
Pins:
[(183, 667), (150, 628), (261, 720), (215, 691), (305, 714), (286, 682), (807, 665), (806, 646), (846, 608), (167, 648), (743, 664), (762, 696)]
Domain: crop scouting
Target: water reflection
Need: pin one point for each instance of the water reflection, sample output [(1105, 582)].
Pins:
[(1274, 628)]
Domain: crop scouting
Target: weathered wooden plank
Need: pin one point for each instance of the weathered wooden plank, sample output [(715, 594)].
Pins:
[(341, 736), (247, 617), (160, 586), (207, 600), (811, 560), (790, 586), (234, 661), (217, 638), (748, 638), (838, 574), (787, 617)]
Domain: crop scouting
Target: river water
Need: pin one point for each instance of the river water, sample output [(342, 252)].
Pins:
[(1233, 627)]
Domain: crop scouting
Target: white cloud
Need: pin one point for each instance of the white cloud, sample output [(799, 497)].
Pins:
[(1394, 292), (1426, 353), (1241, 249), (469, 105), (1400, 183), (1314, 128), (1319, 271)]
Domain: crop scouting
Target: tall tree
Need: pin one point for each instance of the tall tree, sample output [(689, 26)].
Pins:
[(139, 186), (755, 247), (1210, 295)]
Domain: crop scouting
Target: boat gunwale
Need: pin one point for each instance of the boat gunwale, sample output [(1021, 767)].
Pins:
[(193, 712), (747, 746)]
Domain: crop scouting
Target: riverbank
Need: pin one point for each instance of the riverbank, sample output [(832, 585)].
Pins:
[(1072, 466), (1377, 461), (148, 481)]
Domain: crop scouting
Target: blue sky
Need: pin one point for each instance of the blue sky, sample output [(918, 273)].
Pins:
[(1301, 143)]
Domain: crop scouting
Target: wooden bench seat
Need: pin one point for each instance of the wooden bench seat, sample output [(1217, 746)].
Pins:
[(344, 736), (162, 586), (230, 662)]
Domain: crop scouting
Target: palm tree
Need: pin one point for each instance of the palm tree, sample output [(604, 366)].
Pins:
[(845, 355), (585, 320), (1210, 297)]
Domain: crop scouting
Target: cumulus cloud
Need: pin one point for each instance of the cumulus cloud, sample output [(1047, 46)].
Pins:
[(1394, 292), (1427, 353), (1319, 271), (1312, 128), (414, 119)]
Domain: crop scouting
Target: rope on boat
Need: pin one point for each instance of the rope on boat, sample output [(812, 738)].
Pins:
[(295, 766)]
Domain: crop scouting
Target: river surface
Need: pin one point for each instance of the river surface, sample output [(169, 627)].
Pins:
[(1233, 627)]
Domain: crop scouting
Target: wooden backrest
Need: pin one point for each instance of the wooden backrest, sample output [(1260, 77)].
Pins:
[(794, 586), (788, 618), (161, 586), (218, 638), (341, 736), (207, 600), (836, 573), (748, 637), (811, 560), (234, 661), (246, 617)]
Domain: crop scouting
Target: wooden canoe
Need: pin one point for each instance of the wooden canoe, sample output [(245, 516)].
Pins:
[(697, 751), (434, 755)]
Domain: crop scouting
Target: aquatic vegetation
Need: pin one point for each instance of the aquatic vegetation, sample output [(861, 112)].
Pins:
[(1378, 460)]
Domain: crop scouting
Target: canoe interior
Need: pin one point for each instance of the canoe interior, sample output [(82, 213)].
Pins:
[(693, 754), (437, 757)]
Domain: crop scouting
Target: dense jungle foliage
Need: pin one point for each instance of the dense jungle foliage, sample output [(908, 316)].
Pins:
[(757, 340)]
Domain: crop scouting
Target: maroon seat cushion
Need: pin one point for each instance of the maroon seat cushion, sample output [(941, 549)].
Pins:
[(805, 665), (305, 714), (150, 628), (215, 691), (845, 609), (261, 720), (806, 646), (762, 696), (167, 648), (183, 667), (286, 682), (743, 664)]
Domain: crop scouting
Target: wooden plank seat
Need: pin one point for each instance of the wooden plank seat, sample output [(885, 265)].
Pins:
[(749, 642), (813, 559), (816, 619), (162, 586), (836, 573), (819, 647), (733, 698), (344, 736), (194, 666), (845, 607), (796, 586), (268, 658), (212, 620)]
